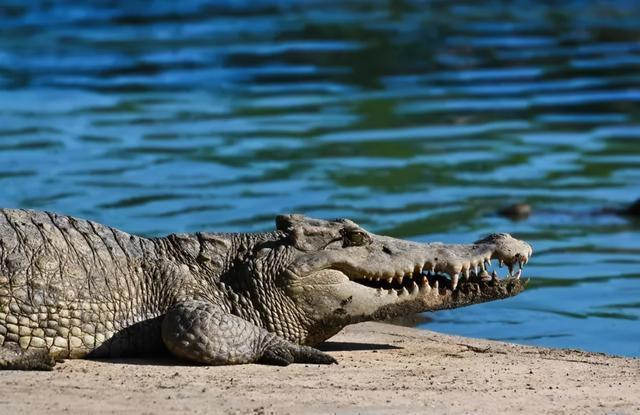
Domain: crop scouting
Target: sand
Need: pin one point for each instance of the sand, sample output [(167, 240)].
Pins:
[(384, 369)]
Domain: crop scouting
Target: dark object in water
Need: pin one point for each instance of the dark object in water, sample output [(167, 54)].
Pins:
[(633, 209), (516, 211), (521, 211)]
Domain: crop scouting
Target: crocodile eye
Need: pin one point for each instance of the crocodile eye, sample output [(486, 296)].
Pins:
[(354, 237)]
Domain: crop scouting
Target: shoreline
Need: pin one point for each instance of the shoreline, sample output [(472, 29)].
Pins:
[(382, 368)]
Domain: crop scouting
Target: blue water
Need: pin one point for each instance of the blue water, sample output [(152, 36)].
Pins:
[(416, 119)]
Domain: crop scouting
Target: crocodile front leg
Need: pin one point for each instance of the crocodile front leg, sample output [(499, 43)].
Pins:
[(202, 332)]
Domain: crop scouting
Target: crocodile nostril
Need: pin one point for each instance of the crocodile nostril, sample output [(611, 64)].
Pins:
[(386, 250)]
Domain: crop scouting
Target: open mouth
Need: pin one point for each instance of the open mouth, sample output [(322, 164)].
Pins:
[(419, 279)]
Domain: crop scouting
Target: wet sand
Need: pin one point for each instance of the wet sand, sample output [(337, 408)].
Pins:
[(383, 369)]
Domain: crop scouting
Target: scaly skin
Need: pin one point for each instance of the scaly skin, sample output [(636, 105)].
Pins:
[(71, 288)]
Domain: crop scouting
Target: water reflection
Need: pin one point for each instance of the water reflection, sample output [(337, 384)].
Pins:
[(418, 119)]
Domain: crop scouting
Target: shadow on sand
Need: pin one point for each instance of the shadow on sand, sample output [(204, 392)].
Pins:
[(353, 346), (168, 360)]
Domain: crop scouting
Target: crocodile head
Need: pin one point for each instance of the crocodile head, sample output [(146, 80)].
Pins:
[(336, 273)]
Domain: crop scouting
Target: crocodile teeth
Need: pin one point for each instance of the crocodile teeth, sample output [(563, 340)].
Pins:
[(494, 276), (466, 273), (390, 280), (404, 291), (454, 281), (518, 274), (414, 287)]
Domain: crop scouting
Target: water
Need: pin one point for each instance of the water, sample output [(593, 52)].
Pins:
[(416, 119)]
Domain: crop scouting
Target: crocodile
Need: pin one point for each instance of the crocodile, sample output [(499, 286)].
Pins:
[(73, 288)]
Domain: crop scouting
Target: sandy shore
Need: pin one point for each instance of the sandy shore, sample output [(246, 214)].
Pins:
[(383, 369)]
